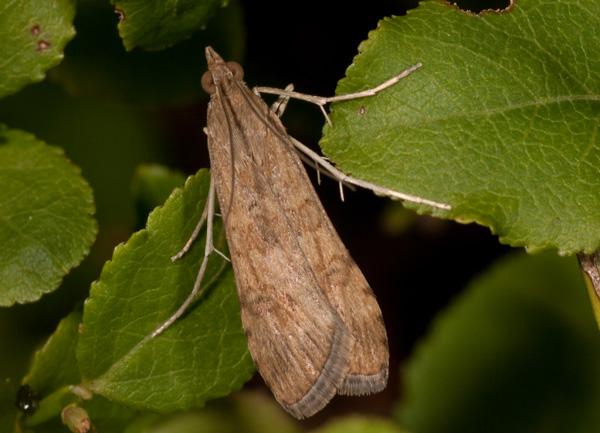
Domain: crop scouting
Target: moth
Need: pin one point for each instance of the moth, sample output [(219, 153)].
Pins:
[(313, 325)]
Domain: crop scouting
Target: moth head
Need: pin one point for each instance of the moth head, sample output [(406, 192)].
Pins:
[(209, 83)]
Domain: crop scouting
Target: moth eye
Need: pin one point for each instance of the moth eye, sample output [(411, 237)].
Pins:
[(236, 70), (207, 83)]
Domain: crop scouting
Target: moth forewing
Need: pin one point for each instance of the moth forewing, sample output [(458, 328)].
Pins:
[(337, 274), (298, 342), (313, 325)]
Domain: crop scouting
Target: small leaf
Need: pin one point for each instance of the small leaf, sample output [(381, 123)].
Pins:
[(517, 352), (500, 121), (54, 371), (54, 365), (76, 419), (156, 24), (203, 355), (33, 35), (46, 227)]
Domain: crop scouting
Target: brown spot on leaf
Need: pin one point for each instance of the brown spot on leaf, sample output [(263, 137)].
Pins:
[(43, 46), (35, 30), (362, 110)]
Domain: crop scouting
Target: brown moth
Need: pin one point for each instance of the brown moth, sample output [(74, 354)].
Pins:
[(313, 325)]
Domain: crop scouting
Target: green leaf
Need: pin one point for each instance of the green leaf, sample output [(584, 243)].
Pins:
[(152, 185), (156, 24), (33, 35), (54, 370), (46, 224), (54, 365), (203, 355), (500, 122), (96, 64), (517, 352)]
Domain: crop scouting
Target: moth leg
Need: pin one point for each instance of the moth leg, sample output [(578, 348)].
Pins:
[(345, 179), (279, 106), (194, 235), (208, 214), (321, 101)]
